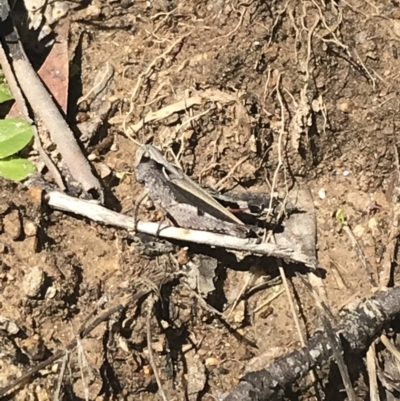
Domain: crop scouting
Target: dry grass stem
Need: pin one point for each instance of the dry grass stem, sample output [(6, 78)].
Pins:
[(151, 301), (390, 347), (361, 256), (268, 301), (372, 376)]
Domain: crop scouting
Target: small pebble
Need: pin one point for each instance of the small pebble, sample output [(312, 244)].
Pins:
[(34, 347), (8, 325), (33, 281), (344, 105), (12, 225), (212, 362), (30, 228), (322, 193), (51, 292)]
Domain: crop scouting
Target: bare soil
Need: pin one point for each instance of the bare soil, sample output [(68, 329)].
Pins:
[(311, 84)]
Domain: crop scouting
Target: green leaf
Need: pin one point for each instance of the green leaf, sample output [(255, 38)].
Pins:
[(16, 168), (341, 217), (15, 134), (5, 93)]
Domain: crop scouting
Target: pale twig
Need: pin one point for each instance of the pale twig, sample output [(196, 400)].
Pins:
[(373, 79), (187, 122), (291, 304), (249, 279), (234, 30), (266, 91), (83, 365), (390, 347), (298, 34), (61, 377), (98, 213), (315, 286), (281, 133), (268, 301), (153, 364), (108, 73), (166, 16), (372, 377), (309, 47), (361, 255)]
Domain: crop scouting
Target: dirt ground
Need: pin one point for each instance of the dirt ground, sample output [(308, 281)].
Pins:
[(305, 89)]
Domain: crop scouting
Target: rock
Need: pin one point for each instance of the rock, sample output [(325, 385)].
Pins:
[(34, 347), (33, 281), (8, 325), (30, 228), (12, 225), (51, 292)]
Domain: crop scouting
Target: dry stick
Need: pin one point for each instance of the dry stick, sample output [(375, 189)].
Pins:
[(291, 303), (337, 350), (372, 378), (268, 301), (309, 48), (282, 131), (15, 90), (361, 256), (390, 347), (150, 348), (392, 238), (82, 361), (98, 213), (280, 164), (357, 327), (249, 278), (182, 138), (61, 377), (44, 107)]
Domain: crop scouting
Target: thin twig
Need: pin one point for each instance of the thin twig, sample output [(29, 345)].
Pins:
[(361, 256), (16, 91), (98, 213), (43, 106), (61, 377), (153, 364), (372, 377), (326, 315)]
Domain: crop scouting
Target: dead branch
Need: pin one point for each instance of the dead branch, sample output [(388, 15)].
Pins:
[(98, 213), (44, 107), (23, 109), (356, 330)]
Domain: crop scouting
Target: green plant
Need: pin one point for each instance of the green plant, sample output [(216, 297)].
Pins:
[(15, 134)]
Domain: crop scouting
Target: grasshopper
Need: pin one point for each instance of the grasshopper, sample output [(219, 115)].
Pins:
[(186, 203)]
